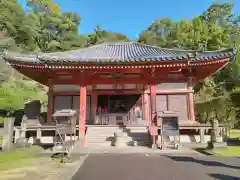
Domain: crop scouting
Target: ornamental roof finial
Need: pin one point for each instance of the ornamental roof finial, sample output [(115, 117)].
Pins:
[(235, 49), (191, 55), (3, 50), (39, 56)]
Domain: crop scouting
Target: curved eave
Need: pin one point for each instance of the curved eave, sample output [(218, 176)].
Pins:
[(121, 55), (151, 64), (151, 59)]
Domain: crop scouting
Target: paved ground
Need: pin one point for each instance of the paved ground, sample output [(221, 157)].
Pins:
[(158, 167)]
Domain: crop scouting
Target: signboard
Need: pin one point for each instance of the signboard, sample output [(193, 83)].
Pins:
[(154, 130), (170, 126)]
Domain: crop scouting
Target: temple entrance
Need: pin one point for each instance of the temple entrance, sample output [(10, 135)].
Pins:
[(119, 109)]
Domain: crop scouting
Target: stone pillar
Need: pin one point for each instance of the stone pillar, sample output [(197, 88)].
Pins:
[(23, 130), (82, 115), (215, 136), (216, 140), (8, 134), (39, 136), (17, 135), (202, 133)]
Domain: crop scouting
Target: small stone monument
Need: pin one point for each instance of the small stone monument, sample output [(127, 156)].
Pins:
[(216, 139), (22, 141), (8, 134)]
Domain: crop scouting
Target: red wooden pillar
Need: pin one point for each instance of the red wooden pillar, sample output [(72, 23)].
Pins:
[(146, 107), (50, 101), (153, 104), (94, 106), (191, 103), (153, 115), (82, 114)]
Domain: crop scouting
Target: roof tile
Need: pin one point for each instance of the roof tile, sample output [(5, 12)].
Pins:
[(119, 53)]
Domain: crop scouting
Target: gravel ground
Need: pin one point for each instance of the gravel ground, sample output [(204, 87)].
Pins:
[(158, 167), (40, 169)]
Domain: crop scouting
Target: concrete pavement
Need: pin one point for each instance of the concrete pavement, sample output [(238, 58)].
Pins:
[(158, 167)]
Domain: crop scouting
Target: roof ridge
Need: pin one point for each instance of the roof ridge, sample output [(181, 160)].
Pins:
[(219, 50), (169, 49), (185, 50)]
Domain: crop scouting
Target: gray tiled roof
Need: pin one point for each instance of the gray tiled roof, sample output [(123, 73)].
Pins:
[(123, 52)]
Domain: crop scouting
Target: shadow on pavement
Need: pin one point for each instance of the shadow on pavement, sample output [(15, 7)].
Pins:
[(223, 177), (202, 162)]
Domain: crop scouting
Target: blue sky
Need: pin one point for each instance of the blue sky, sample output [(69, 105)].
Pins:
[(130, 17)]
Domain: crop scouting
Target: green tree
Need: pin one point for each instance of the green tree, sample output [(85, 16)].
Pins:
[(216, 28), (100, 36)]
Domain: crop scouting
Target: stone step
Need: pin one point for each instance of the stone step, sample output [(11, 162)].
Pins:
[(99, 144), (121, 134), (97, 140), (100, 136), (104, 136), (127, 138), (137, 131), (104, 129), (101, 130), (138, 134), (91, 130), (102, 133), (141, 138)]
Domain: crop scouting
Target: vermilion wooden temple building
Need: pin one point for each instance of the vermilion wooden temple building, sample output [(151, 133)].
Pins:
[(113, 80)]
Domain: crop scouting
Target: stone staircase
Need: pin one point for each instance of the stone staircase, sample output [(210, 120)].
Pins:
[(126, 136), (100, 136), (139, 135)]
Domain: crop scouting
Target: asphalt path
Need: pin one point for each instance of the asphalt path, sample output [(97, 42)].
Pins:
[(158, 167)]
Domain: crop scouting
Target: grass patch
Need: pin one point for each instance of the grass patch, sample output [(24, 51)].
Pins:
[(18, 158), (236, 89), (228, 151), (234, 133)]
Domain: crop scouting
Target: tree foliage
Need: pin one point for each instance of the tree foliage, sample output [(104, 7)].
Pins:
[(214, 29), (43, 27), (99, 36)]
